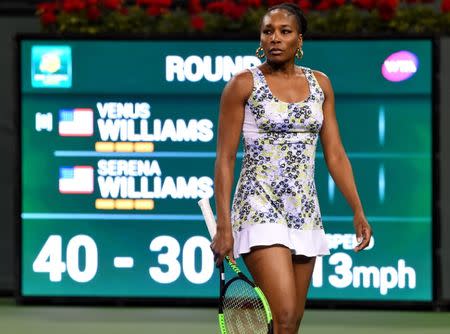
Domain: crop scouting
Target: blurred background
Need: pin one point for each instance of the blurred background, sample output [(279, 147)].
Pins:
[(108, 134)]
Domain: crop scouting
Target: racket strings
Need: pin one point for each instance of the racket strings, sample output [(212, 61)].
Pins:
[(243, 310)]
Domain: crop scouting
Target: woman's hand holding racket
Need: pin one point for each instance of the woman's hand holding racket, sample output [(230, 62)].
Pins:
[(222, 246), (243, 308)]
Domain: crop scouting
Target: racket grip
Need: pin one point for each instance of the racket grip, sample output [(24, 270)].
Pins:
[(208, 215)]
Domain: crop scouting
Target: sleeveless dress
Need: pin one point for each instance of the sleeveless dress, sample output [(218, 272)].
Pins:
[(275, 200)]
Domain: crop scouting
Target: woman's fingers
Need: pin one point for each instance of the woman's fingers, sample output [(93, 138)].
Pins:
[(367, 234), (221, 246), (219, 254), (231, 257), (364, 235), (219, 258), (359, 237)]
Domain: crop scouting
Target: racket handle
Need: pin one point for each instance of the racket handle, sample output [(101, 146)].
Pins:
[(208, 215)]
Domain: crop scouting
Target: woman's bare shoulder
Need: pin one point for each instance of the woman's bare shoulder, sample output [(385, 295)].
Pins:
[(243, 79), (241, 84)]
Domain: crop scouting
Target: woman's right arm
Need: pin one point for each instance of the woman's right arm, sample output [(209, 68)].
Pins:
[(231, 117)]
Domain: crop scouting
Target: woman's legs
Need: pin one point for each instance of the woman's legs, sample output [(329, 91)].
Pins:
[(303, 269), (282, 280)]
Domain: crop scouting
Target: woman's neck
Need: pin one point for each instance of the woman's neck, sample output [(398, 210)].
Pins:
[(282, 68)]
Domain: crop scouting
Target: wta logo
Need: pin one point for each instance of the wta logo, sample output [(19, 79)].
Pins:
[(400, 66)]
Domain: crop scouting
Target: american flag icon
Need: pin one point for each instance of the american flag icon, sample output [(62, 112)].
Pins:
[(76, 180), (78, 122)]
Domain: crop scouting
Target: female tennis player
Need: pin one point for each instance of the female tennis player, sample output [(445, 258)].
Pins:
[(275, 222)]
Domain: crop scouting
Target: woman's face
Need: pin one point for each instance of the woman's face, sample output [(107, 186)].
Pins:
[(280, 36)]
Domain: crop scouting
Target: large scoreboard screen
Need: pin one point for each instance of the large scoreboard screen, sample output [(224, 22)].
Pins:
[(118, 145)]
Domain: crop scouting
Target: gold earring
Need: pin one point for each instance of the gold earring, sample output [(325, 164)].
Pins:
[(299, 53), (260, 53)]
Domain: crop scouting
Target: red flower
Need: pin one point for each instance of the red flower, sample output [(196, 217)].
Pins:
[(112, 4), (195, 6), (48, 18), (251, 3), (73, 5), (155, 7), (230, 9), (235, 11), (154, 3), (156, 10), (92, 2), (216, 7), (387, 8), (324, 5), (166, 3), (388, 4), (305, 5), (419, 1), (271, 3), (365, 4), (45, 7), (197, 22), (445, 6), (328, 4), (93, 13)]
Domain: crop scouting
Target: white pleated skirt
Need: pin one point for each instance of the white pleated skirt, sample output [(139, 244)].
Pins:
[(301, 242)]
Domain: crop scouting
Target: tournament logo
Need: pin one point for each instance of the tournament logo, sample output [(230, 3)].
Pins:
[(400, 66), (51, 67)]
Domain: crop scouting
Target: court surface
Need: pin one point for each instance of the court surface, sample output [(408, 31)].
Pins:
[(139, 320)]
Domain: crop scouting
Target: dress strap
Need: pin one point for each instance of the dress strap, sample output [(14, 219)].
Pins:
[(309, 75), (258, 77), (314, 86)]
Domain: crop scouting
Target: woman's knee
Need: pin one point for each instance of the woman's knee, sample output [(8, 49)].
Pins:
[(300, 316), (288, 318)]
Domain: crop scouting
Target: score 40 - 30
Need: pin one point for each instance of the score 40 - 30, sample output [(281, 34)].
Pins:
[(175, 260)]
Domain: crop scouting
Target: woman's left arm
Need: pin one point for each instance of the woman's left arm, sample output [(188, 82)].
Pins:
[(339, 165)]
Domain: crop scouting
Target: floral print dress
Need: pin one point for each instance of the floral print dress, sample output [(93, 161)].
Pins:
[(275, 201)]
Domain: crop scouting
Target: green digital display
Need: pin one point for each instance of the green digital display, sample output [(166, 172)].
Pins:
[(118, 144)]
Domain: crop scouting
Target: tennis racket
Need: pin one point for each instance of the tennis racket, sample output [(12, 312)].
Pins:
[(243, 308)]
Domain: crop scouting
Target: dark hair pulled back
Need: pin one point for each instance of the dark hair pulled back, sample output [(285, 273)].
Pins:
[(294, 10)]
